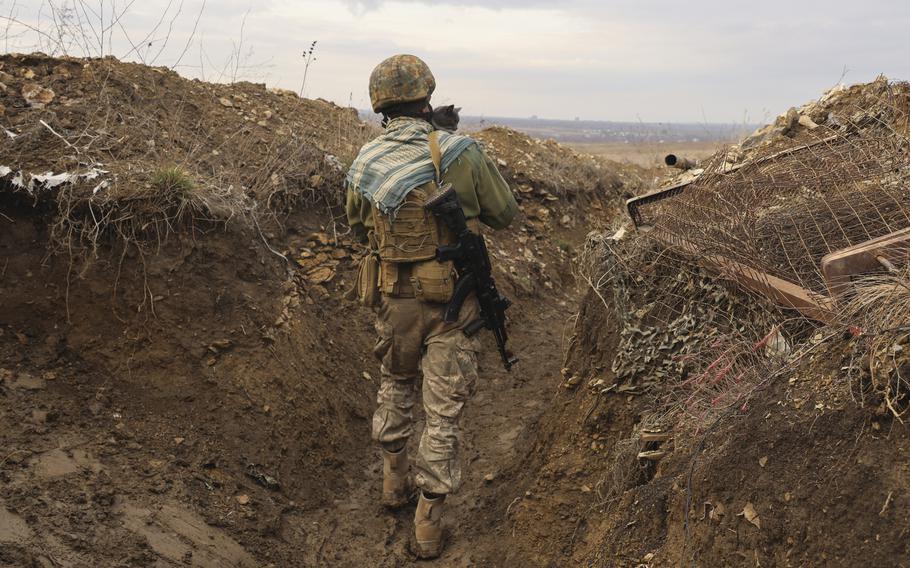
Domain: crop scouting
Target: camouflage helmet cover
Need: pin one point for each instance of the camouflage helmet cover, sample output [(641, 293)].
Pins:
[(400, 79)]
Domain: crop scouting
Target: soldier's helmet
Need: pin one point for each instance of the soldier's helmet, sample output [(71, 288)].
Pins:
[(400, 79)]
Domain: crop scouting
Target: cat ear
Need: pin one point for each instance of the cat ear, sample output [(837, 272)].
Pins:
[(448, 108), (457, 109)]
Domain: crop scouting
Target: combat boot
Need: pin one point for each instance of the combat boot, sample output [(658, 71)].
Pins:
[(428, 526), (395, 486)]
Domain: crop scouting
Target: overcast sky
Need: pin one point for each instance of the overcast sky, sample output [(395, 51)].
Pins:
[(696, 61)]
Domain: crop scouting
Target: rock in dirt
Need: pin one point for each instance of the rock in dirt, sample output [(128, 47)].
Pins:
[(751, 515), (29, 382), (13, 528), (220, 345), (255, 473), (37, 96), (320, 275), (572, 381), (42, 416)]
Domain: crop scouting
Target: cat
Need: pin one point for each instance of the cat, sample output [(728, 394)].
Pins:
[(446, 118)]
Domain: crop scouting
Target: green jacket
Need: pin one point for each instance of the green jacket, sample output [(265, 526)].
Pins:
[(479, 185)]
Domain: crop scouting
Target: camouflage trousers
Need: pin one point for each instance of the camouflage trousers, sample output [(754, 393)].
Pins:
[(414, 340)]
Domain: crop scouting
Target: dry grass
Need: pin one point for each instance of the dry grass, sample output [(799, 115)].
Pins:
[(175, 157), (881, 308)]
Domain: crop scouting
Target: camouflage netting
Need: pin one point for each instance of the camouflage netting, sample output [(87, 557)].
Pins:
[(693, 340), (829, 175)]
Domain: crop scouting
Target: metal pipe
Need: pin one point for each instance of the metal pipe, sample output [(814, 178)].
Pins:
[(680, 162)]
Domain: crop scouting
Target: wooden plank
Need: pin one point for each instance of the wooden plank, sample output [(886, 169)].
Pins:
[(839, 267), (783, 292)]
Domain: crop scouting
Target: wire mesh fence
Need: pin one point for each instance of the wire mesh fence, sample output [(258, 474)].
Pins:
[(776, 209), (783, 212)]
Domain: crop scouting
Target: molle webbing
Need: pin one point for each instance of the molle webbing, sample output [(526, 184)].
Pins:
[(414, 233)]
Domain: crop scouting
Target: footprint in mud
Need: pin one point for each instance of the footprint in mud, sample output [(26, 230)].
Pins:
[(183, 537), (58, 463)]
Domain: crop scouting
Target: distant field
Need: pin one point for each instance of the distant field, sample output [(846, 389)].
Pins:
[(648, 154)]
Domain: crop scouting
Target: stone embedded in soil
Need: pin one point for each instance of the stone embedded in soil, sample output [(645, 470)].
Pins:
[(37, 96), (40, 416), (29, 382), (320, 275), (220, 345), (751, 515), (13, 528)]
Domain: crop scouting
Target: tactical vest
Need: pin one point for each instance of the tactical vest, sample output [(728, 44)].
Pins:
[(407, 251), (406, 245)]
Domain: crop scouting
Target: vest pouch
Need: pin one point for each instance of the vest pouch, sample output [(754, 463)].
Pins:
[(368, 281), (433, 281), (412, 235), (388, 278)]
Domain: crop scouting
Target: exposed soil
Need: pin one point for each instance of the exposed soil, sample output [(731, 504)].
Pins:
[(201, 394), (136, 437), (187, 396)]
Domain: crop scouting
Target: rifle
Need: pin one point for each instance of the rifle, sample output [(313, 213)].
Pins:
[(475, 273)]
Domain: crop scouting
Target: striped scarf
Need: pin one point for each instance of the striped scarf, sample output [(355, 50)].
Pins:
[(392, 165)]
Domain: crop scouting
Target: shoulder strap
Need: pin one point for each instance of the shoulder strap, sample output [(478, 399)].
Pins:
[(436, 155)]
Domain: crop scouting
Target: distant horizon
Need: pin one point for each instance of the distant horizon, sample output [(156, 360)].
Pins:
[(367, 113), (608, 61)]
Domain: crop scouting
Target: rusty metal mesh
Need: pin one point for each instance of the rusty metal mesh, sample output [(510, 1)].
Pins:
[(782, 212), (702, 344)]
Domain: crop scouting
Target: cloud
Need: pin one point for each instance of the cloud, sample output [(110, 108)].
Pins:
[(616, 59)]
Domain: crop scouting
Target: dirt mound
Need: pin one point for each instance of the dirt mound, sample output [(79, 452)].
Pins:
[(710, 424), (547, 170), (128, 150), (183, 382)]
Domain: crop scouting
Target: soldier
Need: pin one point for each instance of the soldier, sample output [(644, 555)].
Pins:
[(387, 186)]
